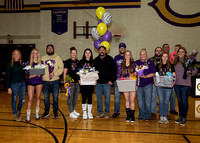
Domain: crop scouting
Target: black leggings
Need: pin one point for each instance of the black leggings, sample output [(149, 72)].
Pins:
[(86, 91)]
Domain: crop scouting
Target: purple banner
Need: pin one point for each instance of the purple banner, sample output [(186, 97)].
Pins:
[(59, 20)]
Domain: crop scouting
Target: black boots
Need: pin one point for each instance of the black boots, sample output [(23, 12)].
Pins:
[(130, 115)]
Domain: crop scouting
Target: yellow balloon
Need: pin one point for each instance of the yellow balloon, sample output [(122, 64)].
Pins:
[(105, 44), (101, 28), (100, 11)]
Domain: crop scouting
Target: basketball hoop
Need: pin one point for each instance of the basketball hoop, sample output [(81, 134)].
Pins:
[(117, 37)]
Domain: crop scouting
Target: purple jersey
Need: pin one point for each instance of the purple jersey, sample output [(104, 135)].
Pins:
[(35, 80), (118, 61), (145, 81)]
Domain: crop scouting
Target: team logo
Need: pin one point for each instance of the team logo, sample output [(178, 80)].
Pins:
[(167, 14)]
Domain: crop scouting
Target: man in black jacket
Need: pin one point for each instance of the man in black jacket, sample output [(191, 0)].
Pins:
[(107, 75)]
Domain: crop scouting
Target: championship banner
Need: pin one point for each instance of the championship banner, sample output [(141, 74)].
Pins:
[(197, 87), (197, 109), (59, 21)]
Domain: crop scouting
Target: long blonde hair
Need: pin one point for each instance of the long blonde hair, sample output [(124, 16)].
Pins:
[(176, 59), (20, 57), (131, 65), (31, 57)]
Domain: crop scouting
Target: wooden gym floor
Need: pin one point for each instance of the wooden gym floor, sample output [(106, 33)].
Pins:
[(101, 130)]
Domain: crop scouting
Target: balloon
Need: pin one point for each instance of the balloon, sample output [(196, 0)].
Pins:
[(100, 21), (101, 28), (100, 11), (95, 34), (105, 44), (107, 18), (97, 44), (107, 36)]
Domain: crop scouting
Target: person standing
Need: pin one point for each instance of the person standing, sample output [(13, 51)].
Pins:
[(16, 83), (71, 68), (118, 62), (128, 68), (183, 84), (145, 86), (164, 68), (105, 65), (51, 79), (156, 60), (34, 82), (86, 62), (193, 55), (172, 101)]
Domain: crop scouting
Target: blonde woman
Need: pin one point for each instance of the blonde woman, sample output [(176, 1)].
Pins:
[(16, 83), (34, 82), (128, 68)]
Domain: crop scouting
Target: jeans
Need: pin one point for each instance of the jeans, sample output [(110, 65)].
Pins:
[(72, 98), (51, 86), (172, 100), (164, 95), (16, 88), (182, 93), (100, 90), (154, 100), (117, 99), (144, 95)]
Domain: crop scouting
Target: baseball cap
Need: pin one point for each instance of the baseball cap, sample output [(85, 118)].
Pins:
[(194, 51), (122, 45)]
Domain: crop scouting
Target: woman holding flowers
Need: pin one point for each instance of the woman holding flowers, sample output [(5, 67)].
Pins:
[(145, 85), (184, 71), (86, 63), (164, 68), (34, 82), (128, 71), (70, 70), (16, 83)]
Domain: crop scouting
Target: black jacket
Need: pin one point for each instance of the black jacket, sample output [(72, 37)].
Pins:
[(106, 68)]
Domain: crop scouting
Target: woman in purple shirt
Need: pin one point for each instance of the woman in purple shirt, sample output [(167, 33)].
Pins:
[(34, 81), (145, 86), (183, 84), (128, 68)]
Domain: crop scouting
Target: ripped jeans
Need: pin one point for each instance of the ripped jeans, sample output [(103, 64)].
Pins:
[(20, 88)]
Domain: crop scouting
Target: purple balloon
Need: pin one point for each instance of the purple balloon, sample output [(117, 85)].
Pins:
[(100, 21), (107, 36), (97, 44)]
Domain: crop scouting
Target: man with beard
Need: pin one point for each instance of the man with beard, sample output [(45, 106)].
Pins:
[(51, 79), (118, 62), (107, 75), (156, 60)]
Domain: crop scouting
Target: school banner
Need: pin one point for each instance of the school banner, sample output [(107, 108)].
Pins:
[(59, 20)]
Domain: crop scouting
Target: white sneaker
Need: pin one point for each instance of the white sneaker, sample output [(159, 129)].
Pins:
[(37, 116), (165, 121), (73, 115), (28, 115), (85, 115), (90, 116), (161, 119), (76, 113)]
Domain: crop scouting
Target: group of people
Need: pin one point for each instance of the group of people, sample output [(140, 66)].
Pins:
[(109, 71)]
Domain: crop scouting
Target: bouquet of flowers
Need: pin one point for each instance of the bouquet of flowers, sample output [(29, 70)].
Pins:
[(188, 66), (50, 64), (69, 80)]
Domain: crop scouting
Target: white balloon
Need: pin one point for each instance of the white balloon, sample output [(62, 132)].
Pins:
[(107, 18), (95, 34)]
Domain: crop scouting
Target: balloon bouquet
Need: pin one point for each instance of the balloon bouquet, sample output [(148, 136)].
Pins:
[(101, 30)]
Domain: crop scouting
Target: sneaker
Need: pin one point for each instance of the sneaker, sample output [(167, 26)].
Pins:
[(179, 120), (55, 115), (18, 117), (147, 119), (115, 115), (28, 119), (140, 119), (161, 120), (90, 116), (15, 117), (76, 113), (37, 116), (107, 115), (183, 122), (173, 112), (72, 115), (165, 121), (85, 115), (98, 115), (45, 115)]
